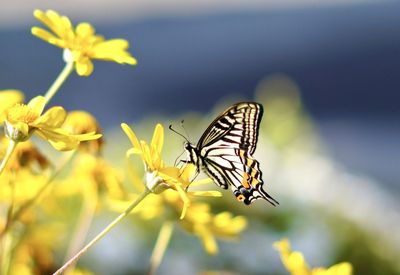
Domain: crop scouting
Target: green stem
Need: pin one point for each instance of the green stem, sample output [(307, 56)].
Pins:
[(10, 149), (6, 254), (103, 233), (7, 241), (82, 227), (161, 246), (69, 67)]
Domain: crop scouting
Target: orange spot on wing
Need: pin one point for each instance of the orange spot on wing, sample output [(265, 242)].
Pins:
[(240, 198), (245, 180)]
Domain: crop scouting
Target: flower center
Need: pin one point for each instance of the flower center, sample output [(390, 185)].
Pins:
[(21, 113)]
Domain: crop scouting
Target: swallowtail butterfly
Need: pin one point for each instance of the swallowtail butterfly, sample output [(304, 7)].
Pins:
[(225, 152)]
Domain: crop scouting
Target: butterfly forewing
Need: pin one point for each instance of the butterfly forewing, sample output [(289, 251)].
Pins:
[(237, 127)]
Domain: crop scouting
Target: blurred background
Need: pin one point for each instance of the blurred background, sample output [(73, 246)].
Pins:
[(327, 73)]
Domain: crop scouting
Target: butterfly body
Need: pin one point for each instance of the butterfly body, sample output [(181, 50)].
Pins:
[(225, 152)]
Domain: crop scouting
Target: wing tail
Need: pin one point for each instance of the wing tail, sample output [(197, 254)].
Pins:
[(266, 196)]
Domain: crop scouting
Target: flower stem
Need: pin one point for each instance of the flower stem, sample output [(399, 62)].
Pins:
[(103, 233), (69, 66), (82, 226), (161, 246), (10, 149)]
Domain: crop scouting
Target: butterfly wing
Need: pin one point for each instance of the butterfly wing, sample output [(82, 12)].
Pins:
[(237, 127), (226, 149), (238, 170)]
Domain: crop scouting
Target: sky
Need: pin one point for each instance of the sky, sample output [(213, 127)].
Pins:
[(17, 13)]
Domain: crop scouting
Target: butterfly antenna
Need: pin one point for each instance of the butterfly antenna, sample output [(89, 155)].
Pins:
[(176, 132), (184, 129)]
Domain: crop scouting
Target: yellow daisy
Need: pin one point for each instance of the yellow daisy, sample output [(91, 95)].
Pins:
[(23, 120), (160, 177), (81, 122), (81, 42)]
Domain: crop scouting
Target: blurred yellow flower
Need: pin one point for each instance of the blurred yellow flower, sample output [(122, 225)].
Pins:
[(23, 120), (201, 222), (81, 122), (20, 186), (34, 252), (92, 177), (296, 265), (27, 155), (81, 43), (9, 98)]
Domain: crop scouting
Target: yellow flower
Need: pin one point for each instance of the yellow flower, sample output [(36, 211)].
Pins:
[(296, 265), (201, 222), (21, 186), (81, 122), (34, 251), (92, 177), (160, 177), (9, 98), (81, 42), (26, 155), (156, 171), (172, 200), (23, 120)]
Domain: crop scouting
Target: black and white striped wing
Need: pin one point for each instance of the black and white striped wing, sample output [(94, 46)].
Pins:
[(237, 127)]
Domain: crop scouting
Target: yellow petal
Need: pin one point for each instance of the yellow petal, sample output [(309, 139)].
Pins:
[(344, 268), (112, 44), (52, 118), (113, 50), (59, 141), (283, 246), (83, 66), (9, 98), (158, 138), (43, 34), (131, 135), (85, 30), (133, 151), (188, 171), (185, 199), (201, 182), (42, 17), (37, 104), (60, 25), (296, 263), (169, 173), (207, 238)]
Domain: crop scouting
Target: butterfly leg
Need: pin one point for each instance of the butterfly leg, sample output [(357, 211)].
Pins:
[(195, 176)]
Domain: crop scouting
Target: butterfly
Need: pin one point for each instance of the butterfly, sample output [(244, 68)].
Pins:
[(225, 152)]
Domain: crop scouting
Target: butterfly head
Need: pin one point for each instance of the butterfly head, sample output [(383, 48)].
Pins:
[(192, 153)]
